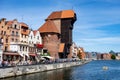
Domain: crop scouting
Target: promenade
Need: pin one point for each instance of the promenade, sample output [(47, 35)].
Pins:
[(29, 69)]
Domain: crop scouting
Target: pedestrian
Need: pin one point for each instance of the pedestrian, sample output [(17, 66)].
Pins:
[(0, 63), (3, 63)]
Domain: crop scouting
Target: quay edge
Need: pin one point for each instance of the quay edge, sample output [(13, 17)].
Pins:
[(24, 70)]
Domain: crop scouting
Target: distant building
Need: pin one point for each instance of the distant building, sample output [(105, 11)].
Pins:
[(73, 51), (118, 55), (106, 56), (94, 55), (82, 53)]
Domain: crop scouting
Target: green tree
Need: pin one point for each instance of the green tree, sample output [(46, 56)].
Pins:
[(113, 57), (112, 52)]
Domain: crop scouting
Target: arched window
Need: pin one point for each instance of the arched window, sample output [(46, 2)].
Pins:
[(15, 26)]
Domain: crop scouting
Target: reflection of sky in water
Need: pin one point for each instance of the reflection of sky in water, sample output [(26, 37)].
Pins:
[(94, 71), (91, 71)]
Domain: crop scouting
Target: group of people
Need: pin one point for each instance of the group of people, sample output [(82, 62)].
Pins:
[(14, 63), (31, 62)]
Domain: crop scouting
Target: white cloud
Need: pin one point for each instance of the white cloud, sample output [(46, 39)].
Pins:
[(105, 40)]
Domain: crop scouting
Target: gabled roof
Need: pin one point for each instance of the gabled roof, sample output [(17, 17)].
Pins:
[(34, 32), (61, 14), (24, 25), (9, 23), (48, 26)]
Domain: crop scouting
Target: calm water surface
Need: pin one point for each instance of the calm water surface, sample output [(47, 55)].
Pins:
[(90, 71)]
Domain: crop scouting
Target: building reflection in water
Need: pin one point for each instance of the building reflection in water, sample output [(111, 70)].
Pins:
[(60, 74)]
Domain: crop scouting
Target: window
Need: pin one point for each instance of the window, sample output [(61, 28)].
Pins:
[(6, 48), (20, 48), (16, 33), (12, 32), (15, 26), (1, 32), (4, 32), (6, 40), (38, 37), (12, 39), (22, 35), (23, 48), (16, 40)]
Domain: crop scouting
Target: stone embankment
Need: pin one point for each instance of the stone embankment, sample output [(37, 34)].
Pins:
[(22, 70)]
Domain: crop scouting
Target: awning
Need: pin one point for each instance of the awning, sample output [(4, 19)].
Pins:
[(47, 57), (32, 54), (26, 55), (11, 53), (61, 47), (21, 54), (39, 45)]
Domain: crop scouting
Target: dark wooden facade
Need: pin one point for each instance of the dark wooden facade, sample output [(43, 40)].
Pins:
[(66, 34)]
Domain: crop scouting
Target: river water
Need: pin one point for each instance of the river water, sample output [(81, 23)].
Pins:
[(90, 71)]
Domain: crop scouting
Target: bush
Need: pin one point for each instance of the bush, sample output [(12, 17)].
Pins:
[(113, 57)]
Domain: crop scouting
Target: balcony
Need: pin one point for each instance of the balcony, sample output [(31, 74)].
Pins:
[(19, 43), (15, 35)]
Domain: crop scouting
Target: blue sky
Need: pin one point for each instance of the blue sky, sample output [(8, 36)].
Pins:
[(98, 21)]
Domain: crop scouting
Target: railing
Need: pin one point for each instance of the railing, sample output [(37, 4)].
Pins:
[(22, 43), (6, 64)]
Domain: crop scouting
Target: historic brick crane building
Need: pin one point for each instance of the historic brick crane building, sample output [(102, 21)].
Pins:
[(63, 25)]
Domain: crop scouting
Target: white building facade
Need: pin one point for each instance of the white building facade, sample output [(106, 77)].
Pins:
[(34, 39)]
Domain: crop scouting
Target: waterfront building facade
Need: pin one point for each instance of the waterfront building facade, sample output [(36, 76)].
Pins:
[(34, 39), (63, 22), (10, 35), (54, 36), (24, 32), (73, 51), (1, 49), (17, 42), (106, 56), (82, 54), (50, 38)]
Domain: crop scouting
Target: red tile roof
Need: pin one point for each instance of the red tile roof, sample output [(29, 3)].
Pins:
[(48, 26), (9, 23), (25, 32), (24, 25), (61, 14)]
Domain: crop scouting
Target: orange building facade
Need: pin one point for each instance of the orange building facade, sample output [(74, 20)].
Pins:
[(81, 54)]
